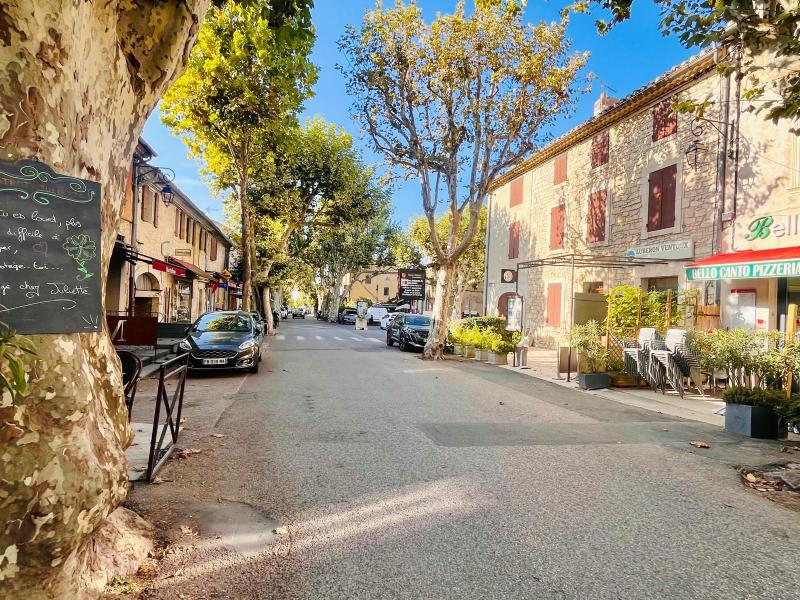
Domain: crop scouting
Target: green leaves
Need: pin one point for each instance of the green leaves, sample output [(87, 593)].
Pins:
[(12, 370)]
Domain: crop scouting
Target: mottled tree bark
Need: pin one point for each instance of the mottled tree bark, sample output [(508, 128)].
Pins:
[(77, 83), (336, 297), (434, 346)]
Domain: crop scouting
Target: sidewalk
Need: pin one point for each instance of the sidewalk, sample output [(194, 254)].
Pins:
[(542, 365)]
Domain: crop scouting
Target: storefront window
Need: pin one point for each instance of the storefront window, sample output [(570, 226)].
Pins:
[(183, 301)]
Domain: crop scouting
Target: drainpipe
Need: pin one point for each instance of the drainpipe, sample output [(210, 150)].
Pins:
[(134, 242), (722, 166)]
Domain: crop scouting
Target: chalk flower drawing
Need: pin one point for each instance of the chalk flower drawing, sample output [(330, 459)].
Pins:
[(81, 248)]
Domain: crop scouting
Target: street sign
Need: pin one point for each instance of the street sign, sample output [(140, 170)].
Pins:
[(50, 270), (411, 284), (508, 275)]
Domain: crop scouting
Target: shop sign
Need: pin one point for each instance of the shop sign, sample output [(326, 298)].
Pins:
[(758, 270), (768, 231), (411, 284), (161, 266), (677, 250)]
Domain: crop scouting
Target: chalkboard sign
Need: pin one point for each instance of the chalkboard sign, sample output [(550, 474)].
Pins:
[(49, 250), (411, 284)]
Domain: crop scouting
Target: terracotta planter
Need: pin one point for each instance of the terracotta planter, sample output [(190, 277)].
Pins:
[(498, 358), (624, 380)]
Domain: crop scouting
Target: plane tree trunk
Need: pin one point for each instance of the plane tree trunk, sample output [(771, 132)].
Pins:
[(78, 81), (437, 337)]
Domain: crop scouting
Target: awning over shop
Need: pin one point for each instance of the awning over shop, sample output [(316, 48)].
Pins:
[(748, 264), (192, 268)]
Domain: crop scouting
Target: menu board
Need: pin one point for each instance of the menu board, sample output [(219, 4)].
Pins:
[(50, 269), (411, 284)]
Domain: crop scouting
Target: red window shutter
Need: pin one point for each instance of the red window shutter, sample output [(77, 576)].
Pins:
[(557, 227), (597, 217), (668, 180), (213, 248), (600, 149), (665, 120), (513, 240), (554, 304), (654, 202), (516, 192), (560, 169)]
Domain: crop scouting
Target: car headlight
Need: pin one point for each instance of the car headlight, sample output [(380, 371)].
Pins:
[(185, 345), (247, 344)]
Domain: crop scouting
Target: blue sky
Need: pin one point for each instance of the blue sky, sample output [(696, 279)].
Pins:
[(630, 56)]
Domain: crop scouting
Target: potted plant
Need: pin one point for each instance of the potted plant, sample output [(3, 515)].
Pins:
[(468, 341), (585, 339), (483, 341), (752, 413), (456, 338), (498, 354)]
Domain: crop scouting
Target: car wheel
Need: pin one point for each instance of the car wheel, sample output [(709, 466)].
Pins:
[(389, 340), (254, 368), (403, 344)]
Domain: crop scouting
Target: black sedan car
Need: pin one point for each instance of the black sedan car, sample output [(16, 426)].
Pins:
[(224, 340), (409, 331)]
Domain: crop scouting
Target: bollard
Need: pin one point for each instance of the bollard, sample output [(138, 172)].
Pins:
[(521, 357)]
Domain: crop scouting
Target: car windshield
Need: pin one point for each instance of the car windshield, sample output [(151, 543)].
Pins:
[(223, 322), (418, 320)]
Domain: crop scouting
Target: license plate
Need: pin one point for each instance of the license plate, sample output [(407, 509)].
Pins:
[(215, 361)]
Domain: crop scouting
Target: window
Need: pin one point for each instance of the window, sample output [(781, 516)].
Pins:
[(513, 240), (213, 248), (661, 201), (594, 287), (557, 227), (665, 120), (156, 200), (386, 291), (600, 149), (188, 229), (368, 279), (147, 205), (560, 169), (553, 318), (516, 192), (177, 221), (661, 284), (596, 230)]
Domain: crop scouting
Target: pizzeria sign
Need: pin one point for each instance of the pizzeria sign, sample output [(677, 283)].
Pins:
[(755, 270)]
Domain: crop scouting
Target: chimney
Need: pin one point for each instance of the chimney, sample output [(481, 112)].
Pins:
[(604, 102)]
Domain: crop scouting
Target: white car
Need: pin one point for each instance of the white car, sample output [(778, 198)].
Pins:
[(387, 318), (377, 312)]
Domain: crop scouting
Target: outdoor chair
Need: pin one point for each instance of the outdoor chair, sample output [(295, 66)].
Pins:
[(636, 358), (671, 361), (131, 369)]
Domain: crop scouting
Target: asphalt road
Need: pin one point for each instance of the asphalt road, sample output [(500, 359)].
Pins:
[(384, 476)]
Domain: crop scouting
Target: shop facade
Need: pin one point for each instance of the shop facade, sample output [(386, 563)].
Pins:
[(616, 186)]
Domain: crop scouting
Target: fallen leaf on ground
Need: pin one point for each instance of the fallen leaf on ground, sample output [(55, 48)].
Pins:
[(751, 478), (217, 435), (183, 420), (699, 444), (281, 530), (188, 452), (158, 480), (185, 529)]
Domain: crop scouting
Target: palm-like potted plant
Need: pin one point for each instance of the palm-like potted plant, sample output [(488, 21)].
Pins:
[(586, 339)]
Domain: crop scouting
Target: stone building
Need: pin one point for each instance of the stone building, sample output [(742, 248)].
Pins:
[(616, 185), (176, 268)]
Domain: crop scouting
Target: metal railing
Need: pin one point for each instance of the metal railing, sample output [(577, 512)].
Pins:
[(175, 368)]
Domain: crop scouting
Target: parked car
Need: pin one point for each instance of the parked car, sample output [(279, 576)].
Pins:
[(387, 318), (348, 316), (257, 316), (224, 340), (298, 313), (409, 331), (375, 313)]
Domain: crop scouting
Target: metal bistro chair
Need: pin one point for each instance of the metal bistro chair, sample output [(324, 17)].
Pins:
[(669, 362), (636, 358), (131, 369)]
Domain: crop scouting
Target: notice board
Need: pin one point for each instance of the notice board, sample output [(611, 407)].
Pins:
[(411, 284), (50, 269)]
